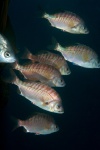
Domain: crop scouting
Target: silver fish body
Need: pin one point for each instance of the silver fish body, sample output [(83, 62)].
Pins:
[(6, 52), (39, 123), (81, 55), (68, 22)]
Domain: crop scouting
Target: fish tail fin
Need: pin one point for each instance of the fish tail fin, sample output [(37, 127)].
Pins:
[(20, 123), (28, 55), (55, 45), (9, 76), (45, 15), (17, 123), (14, 121), (41, 11)]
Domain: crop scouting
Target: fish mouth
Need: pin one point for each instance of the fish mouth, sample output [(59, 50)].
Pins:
[(68, 73), (14, 60), (58, 112), (61, 85), (86, 31), (57, 129)]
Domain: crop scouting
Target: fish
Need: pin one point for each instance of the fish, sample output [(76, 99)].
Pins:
[(40, 124), (6, 52), (68, 22), (43, 72), (49, 58), (6, 30), (80, 55), (37, 93)]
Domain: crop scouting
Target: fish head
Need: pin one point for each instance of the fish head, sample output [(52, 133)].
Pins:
[(80, 29), (50, 129), (7, 56), (95, 63), (56, 106), (6, 52), (65, 70), (59, 82), (54, 128)]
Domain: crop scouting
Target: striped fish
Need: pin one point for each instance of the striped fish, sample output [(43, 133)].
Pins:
[(39, 123), (68, 22), (55, 60), (38, 93), (80, 54), (49, 58), (42, 72)]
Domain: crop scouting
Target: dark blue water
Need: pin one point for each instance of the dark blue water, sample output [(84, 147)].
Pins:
[(80, 124)]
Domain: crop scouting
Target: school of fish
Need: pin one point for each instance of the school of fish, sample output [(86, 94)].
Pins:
[(45, 70)]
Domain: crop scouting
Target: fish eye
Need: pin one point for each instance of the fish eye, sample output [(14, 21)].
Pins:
[(7, 54), (61, 81), (67, 69), (56, 126), (46, 103), (83, 27), (58, 106)]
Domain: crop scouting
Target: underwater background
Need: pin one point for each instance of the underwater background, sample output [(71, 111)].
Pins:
[(80, 123)]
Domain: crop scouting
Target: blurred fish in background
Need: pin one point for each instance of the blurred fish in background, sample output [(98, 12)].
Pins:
[(39, 123)]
